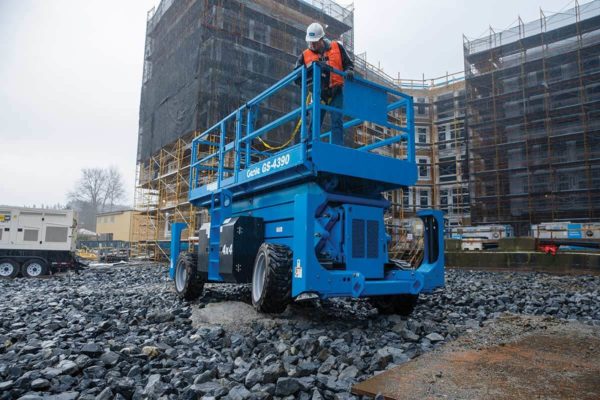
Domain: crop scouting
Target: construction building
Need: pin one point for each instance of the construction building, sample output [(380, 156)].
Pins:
[(203, 59), (533, 113)]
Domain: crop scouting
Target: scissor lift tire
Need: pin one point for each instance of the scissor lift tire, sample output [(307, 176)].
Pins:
[(402, 304), (272, 278), (189, 284)]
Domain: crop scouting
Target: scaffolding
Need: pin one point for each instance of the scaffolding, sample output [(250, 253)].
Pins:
[(533, 100), (162, 198)]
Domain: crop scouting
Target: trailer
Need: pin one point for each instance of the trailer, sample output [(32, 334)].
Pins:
[(566, 230), (482, 232), (36, 242), (306, 219)]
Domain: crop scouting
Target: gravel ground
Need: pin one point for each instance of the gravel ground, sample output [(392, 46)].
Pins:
[(121, 332)]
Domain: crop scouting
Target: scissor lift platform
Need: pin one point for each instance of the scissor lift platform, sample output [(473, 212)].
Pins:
[(314, 156)]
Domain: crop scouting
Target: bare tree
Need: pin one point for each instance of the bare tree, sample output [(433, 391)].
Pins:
[(91, 187), (114, 187), (96, 189), (99, 187)]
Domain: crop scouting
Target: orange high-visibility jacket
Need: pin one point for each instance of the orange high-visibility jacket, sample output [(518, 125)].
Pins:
[(334, 60)]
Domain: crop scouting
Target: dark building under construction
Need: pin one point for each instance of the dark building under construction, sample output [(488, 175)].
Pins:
[(533, 115), (203, 59)]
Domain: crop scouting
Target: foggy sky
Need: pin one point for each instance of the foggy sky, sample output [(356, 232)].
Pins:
[(70, 76)]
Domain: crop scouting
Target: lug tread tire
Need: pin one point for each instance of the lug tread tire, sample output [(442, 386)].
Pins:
[(401, 304), (194, 284), (277, 289)]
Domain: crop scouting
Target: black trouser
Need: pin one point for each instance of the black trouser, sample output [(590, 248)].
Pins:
[(334, 97)]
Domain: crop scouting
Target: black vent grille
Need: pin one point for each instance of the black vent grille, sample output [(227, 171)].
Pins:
[(365, 239), (372, 239), (358, 238)]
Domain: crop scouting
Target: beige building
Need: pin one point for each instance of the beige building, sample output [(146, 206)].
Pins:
[(117, 225)]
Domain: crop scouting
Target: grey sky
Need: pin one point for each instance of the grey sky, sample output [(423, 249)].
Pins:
[(70, 75), (415, 37)]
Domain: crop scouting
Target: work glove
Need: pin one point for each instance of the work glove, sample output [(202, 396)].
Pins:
[(350, 75), (323, 65)]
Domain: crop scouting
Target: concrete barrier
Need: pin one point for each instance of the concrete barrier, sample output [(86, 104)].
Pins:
[(452, 244), (517, 244), (525, 261)]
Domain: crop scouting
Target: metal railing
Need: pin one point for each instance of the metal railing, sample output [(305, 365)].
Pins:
[(333, 9), (229, 156), (522, 30), (431, 83)]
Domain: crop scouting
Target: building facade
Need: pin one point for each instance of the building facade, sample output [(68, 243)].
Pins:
[(441, 141), (533, 111), (117, 225)]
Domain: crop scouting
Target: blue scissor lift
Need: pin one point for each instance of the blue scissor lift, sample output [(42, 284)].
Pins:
[(307, 219)]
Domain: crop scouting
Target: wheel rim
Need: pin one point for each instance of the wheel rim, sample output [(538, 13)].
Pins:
[(180, 277), (34, 269), (258, 277), (6, 269)]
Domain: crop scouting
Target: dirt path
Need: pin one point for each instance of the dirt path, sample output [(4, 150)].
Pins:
[(513, 357)]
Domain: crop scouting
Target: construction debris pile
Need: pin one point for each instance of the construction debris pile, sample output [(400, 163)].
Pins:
[(121, 331)]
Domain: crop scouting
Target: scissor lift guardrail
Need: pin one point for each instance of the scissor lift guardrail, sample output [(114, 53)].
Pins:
[(314, 154)]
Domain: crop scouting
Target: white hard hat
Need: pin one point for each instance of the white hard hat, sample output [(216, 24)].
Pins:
[(314, 32)]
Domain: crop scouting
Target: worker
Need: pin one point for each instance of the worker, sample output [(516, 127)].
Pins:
[(332, 54)]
